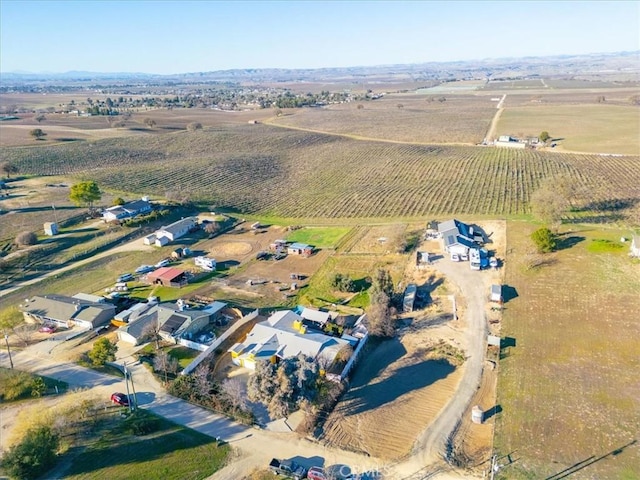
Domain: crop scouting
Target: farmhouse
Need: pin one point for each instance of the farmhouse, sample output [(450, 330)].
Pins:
[(169, 277), (457, 237), (509, 142), (635, 246), (174, 231), (300, 249), (283, 335), (68, 311), (128, 210)]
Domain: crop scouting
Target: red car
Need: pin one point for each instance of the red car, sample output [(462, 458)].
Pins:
[(316, 473), (120, 399), (47, 329)]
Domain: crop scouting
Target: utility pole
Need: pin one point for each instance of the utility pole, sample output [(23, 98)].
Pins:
[(494, 466), (135, 398), (126, 382), (6, 339)]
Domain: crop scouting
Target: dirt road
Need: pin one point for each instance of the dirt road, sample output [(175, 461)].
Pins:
[(491, 133)]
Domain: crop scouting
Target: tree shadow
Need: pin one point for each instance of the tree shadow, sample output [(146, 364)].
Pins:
[(610, 204), (404, 380), (566, 241), (378, 358), (362, 284)]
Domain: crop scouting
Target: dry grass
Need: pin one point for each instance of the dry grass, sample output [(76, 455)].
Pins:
[(601, 128), (569, 389), (460, 119)]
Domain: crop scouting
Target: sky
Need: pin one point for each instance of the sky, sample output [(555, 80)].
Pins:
[(166, 37)]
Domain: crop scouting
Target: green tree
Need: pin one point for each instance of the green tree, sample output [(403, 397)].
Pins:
[(33, 456), (37, 133), (85, 193), (103, 351), (38, 387), (9, 169), (10, 318), (545, 240), (544, 136), (118, 201)]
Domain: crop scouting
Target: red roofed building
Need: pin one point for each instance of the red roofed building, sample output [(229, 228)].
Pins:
[(169, 277)]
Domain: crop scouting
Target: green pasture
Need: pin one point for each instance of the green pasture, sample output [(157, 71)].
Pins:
[(172, 452), (320, 237)]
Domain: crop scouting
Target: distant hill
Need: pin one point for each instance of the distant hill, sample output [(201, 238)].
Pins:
[(627, 63)]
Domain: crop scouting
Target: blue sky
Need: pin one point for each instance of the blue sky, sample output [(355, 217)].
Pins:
[(189, 36)]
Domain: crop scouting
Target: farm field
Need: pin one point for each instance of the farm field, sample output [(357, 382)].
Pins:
[(568, 389), (319, 237), (251, 168), (585, 128), (409, 118)]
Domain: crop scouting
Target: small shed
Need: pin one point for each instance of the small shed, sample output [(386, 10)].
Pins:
[(51, 228), (149, 239), (496, 293), (409, 297), (635, 246), (177, 253), (300, 249)]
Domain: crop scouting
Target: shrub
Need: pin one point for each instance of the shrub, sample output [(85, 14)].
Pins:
[(33, 456), (26, 238), (545, 240), (141, 423), (103, 351)]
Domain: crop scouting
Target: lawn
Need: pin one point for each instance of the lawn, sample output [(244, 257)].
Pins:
[(568, 389), (172, 452), (319, 237), (598, 128)]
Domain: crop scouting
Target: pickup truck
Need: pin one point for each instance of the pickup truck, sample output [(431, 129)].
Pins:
[(288, 468)]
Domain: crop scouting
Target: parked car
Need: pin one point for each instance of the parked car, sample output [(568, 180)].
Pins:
[(120, 399), (288, 468), (163, 263), (316, 473), (47, 329), (493, 262), (125, 277), (145, 269)]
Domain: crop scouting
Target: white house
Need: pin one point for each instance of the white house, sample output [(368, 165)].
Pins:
[(128, 210), (176, 229), (283, 335)]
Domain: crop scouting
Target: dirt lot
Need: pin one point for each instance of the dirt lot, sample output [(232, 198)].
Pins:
[(376, 239), (271, 279)]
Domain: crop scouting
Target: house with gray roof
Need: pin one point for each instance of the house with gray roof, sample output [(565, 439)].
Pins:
[(173, 321), (128, 210), (176, 229), (68, 311), (457, 237), (284, 335)]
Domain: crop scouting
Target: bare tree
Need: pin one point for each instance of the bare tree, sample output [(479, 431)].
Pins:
[(152, 331), (379, 315), (39, 118), (201, 376), (150, 122), (553, 199), (163, 362), (25, 333), (235, 392), (194, 126)]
